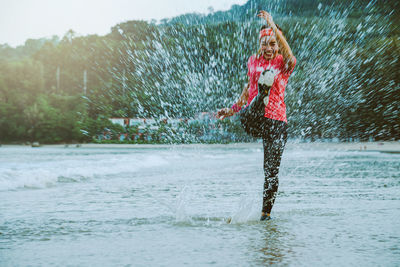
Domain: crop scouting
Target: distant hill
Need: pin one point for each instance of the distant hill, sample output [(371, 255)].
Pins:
[(246, 12), (306, 8), (31, 46)]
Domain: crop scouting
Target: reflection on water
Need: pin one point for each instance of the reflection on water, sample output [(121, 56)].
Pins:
[(273, 252), (143, 206)]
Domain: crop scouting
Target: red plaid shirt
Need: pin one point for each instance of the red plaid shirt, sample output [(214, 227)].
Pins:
[(276, 108)]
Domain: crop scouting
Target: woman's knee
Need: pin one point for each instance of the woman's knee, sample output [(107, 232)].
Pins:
[(271, 183)]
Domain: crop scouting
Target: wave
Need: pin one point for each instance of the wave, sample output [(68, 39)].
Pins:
[(36, 175)]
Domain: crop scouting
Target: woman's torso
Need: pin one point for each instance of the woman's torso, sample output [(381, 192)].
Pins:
[(276, 108)]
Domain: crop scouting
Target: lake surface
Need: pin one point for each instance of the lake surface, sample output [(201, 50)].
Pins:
[(169, 205)]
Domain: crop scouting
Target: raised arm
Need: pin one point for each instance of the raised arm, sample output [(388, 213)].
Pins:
[(286, 52)]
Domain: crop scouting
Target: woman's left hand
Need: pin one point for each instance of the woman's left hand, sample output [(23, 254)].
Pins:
[(268, 18)]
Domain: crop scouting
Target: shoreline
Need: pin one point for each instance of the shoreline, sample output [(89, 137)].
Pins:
[(385, 147)]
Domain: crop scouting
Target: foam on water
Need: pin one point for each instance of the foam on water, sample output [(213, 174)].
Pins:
[(70, 169)]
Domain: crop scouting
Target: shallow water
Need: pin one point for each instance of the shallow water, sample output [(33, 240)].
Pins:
[(168, 205)]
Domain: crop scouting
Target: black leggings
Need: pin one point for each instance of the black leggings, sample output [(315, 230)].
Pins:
[(274, 140), (274, 135)]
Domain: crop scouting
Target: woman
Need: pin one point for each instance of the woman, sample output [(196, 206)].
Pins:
[(274, 56)]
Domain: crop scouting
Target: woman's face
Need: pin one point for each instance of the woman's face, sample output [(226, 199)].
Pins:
[(269, 47)]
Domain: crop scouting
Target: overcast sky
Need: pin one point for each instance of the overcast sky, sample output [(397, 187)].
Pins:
[(23, 19)]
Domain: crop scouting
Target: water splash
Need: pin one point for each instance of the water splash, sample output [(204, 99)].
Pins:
[(181, 216), (345, 84), (248, 210)]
